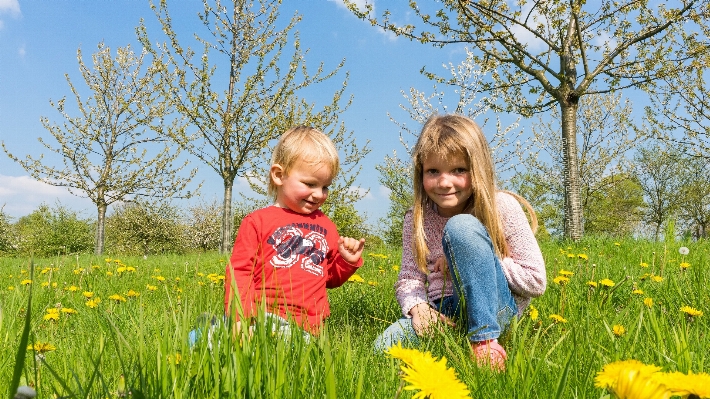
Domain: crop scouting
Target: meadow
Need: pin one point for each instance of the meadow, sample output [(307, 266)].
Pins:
[(118, 327)]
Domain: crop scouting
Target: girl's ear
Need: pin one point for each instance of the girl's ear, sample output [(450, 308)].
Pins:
[(277, 174)]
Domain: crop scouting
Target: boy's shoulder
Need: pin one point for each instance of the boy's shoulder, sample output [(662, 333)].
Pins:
[(284, 215)]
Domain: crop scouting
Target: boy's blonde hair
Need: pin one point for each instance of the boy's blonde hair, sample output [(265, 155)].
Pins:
[(305, 144), (452, 135)]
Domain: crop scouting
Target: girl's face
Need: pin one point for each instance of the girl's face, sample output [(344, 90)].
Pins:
[(447, 182)]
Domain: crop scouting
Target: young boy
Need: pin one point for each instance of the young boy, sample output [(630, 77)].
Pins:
[(287, 254)]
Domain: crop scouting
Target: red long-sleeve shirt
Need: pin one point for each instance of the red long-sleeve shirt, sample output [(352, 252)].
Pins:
[(285, 260)]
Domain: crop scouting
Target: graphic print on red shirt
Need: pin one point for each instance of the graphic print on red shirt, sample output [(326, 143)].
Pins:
[(292, 246)]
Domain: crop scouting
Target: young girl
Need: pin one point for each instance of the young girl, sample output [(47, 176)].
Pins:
[(468, 249)]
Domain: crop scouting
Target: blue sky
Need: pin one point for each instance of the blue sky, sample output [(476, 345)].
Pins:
[(39, 42)]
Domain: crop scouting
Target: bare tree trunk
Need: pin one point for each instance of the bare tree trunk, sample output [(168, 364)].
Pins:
[(573, 201), (227, 222), (100, 229)]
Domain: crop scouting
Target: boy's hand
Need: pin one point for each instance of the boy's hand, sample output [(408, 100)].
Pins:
[(351, 249)]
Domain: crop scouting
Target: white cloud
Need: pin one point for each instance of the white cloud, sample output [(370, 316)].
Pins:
[(21, 195), (361, 4), (384, 191), (21, 51), (604, 39), (524, 35), (11, 7), (361, 192)]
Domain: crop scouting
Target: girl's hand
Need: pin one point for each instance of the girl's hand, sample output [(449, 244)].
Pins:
[(442, 266), (425, 318), (351, 249)]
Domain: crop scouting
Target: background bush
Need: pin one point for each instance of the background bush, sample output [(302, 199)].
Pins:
[(52, 231), (8, 238), (144, 228)]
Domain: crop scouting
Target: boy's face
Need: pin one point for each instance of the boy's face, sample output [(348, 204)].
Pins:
[(304, 189)]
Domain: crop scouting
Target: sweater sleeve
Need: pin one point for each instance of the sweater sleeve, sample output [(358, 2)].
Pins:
[(525, 267), (244, 265), (410, 288), (340, 271)]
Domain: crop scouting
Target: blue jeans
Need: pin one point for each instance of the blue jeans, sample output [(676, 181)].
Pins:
[(481, 299)]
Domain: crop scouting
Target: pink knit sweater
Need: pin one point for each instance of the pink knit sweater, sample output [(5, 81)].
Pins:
[(524, 269)]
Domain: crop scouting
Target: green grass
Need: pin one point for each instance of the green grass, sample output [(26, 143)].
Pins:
[(142, 343)]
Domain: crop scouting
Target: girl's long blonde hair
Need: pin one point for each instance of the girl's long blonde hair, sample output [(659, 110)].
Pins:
[(451, 135)]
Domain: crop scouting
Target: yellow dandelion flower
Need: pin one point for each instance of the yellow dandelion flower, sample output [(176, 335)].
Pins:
[(117, 298), (132, 294), (10, 288), (645, 276), (45, 284), (619, 330), (657, 279), (629, 379), (109, 274), (355, 278), (558, 319), (404, 354), (41, 347), (534, 313), (95, 267), (151, 287), (561, 280), (684, 265), (691, 311), (643, 264), (88, 294), (26, 282), (566, 273), (570, 256), (92, 303), (73, 288), (592, 284), (648, 302), (373, 283), (618, 244), (51, 316), (583, 256), (430, 377), (607, 282), (130, 269), (175, 359), (160, 278), (107, 260), (54, 285), (637, 292), (69, 311), (685, 385), (200, 274), (120, 269)]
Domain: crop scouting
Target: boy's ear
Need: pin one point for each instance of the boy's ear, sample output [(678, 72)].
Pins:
[(277, 174)]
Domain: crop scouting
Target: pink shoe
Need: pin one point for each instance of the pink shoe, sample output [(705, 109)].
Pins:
[(489, 353)]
